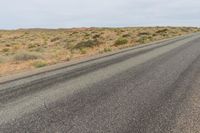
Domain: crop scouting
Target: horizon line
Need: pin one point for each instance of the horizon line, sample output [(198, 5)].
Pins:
[(88, 27)]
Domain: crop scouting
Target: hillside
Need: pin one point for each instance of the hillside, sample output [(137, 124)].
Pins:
[(27, 49)]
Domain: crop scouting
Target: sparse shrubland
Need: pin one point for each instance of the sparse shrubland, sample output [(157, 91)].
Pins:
[(33, 48)]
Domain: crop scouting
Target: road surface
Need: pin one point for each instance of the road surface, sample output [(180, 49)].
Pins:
[(146, 89)]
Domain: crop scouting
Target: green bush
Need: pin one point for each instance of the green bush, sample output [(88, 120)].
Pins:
[(121, 41)]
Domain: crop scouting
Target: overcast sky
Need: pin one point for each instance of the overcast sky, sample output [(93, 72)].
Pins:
[(102, 13)]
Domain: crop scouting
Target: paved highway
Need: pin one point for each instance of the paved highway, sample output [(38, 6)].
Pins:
[(146, 89)]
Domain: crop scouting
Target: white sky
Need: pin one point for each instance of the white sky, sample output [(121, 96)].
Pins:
[(92, 13)]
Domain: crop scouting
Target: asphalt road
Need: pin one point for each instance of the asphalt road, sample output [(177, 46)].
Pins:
[(148, 89)]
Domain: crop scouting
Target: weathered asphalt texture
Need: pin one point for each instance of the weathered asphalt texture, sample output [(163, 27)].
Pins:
[(152, 89)]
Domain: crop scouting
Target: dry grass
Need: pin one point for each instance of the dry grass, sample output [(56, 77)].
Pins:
[(33, 48)]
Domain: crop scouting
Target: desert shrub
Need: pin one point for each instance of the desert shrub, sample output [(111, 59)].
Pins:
[(162, 31), (32, 46), (40, 63), (150, 37), (87, 34), (107, 49), (8, 45), (83, 51), (75, 32), (122, 30), (26, 33), (68, 45), (154, 35), (121, 41), (5, 50), (45, 41), (96, 36), (38, 49), (126, 35), (87, 44), (142, 39), (93, 32), (143, 34), (55, 39), (24, 56), (145, 39), (185, 29)]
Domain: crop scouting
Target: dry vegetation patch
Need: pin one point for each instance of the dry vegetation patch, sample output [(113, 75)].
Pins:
[(25, 56), (33, 48)]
